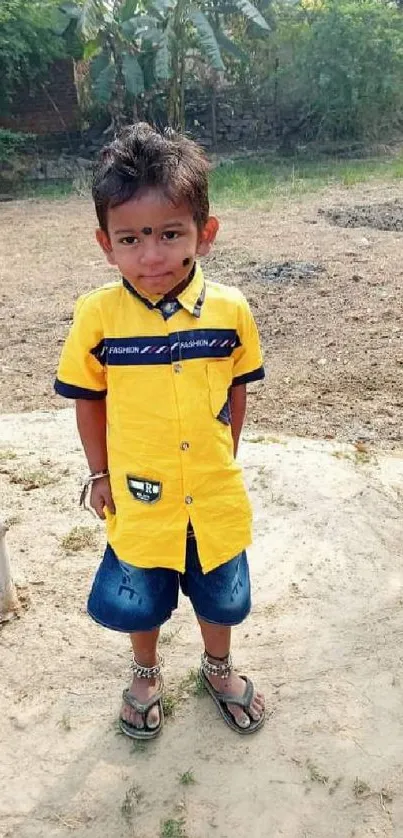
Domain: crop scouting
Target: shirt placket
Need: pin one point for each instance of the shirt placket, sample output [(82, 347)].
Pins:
[(178, 372)]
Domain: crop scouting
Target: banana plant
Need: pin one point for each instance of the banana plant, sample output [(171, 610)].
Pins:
[(196, 26), (117, 36), (136, 45)]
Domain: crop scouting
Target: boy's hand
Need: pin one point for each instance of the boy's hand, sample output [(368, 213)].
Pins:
[(101, 495)]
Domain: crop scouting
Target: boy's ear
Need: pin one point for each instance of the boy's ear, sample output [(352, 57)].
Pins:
[(207, 236), (104, 242)]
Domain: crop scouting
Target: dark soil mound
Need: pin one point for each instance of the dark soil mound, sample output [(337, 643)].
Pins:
[(285, 271), (387, 216)]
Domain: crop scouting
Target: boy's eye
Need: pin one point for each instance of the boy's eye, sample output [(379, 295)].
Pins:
[(170, 235), (128, 240)]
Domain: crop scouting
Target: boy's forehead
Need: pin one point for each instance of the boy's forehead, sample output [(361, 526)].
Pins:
[(152, 209)]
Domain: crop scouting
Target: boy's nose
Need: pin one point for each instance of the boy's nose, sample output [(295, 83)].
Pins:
[(151, 254)]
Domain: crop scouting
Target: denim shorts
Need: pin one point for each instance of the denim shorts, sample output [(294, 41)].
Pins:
[(127, 598)]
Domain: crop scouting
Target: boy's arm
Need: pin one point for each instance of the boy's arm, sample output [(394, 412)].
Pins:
[(91, 424), (238, 411)]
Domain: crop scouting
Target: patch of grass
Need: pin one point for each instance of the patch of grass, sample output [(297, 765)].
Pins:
[(187, 778), (335, 785), (36, 479), (362, 458), (360, 788), (167, 637), (65, 722), (315, 775), (172, 828), (260, 181), (169, 704), (191, 685), (79, 538), (139, 746), (131, 799), (7, 454), (50, 190), (341, 455), (12, 519)]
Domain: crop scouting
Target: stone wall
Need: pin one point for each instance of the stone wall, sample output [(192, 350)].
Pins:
[(52, 109), (234, 120)]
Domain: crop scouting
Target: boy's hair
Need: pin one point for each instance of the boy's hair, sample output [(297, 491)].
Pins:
[(141, 158)]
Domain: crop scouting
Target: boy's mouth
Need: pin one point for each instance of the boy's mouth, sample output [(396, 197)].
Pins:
[(147, 277)]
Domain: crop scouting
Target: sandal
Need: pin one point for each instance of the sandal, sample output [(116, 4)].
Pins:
[(222, 699), (143, 709)]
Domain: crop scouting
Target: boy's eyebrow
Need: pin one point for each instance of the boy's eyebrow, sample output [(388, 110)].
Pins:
[(162, 227)]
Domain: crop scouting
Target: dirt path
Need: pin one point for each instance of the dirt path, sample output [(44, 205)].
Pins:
[(332, 339), (324, 641)]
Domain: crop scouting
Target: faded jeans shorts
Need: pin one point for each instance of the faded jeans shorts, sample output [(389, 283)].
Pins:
[(129, 599)]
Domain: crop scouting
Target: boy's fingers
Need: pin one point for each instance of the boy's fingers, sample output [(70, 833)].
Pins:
[(111, 506), (99, 508)]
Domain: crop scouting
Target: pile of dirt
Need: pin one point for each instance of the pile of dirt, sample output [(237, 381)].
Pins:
[(285, 271), (385, 216)]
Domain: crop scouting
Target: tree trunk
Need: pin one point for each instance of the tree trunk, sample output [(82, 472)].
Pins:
[(182, 93), (214, 115), (8, 596), (176, 86)]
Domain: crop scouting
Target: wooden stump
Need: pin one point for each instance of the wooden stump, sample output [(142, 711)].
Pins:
[(9, 604)]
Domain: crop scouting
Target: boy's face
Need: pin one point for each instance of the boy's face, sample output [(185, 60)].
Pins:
[(153, 242)]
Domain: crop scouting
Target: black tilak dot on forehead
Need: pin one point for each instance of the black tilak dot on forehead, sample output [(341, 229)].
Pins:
[(147, 231), (186, 261)]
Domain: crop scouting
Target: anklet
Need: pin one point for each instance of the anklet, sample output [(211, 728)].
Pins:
[(146, 671), (222, 670)]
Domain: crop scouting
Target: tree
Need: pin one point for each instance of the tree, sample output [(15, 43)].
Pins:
[(28, 45)]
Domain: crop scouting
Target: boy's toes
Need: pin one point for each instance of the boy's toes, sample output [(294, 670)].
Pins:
[(153, 717), (131, 717), (257, 707), (241, 718)]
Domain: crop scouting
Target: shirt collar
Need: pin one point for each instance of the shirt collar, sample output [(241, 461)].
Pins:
[(191, 298)]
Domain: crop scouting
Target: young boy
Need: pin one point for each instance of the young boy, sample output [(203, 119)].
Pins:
[(158, 364)]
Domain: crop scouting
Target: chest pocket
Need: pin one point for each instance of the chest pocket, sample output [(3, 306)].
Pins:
[(219, 374)]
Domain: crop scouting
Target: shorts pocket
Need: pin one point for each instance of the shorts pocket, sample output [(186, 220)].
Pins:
[(219, 374)]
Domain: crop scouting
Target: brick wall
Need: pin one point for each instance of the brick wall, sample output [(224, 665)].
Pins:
[(53, 108)]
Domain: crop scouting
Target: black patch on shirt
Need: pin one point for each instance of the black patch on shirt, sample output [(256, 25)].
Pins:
[(146, 491)]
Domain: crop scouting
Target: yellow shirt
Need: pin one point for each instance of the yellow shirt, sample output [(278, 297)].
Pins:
[(166, 369)]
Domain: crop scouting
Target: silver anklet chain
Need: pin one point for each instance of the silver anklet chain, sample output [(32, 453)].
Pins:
[(222, 669), (146, 671)]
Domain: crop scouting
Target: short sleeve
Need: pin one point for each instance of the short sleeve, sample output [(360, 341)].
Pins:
[(248, 359), (81, 372)]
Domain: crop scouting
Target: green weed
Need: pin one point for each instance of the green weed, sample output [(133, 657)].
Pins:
[(36, 479), (173, 828), (187, 778)]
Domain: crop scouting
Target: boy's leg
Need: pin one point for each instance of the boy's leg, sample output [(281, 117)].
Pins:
[(221, 599), (135, 601), (217, 643), (144, 645)]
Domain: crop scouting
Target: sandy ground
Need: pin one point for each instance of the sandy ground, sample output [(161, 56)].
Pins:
[(332, 340), (324, 641)]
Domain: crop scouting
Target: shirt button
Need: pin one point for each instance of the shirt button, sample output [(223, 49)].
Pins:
[(188, 499), (185, 446), (177, 367)]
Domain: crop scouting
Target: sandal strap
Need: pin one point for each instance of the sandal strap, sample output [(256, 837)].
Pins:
[(244, 700), (132, 702)]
